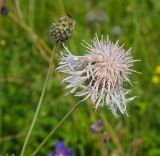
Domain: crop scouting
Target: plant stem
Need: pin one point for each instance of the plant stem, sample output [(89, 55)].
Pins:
[(40, 102), (18, 9), (62, 7), (112, 132), (54, 130), (41, 45)]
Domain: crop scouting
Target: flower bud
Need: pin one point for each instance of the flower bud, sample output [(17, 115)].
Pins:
[(61, 30)]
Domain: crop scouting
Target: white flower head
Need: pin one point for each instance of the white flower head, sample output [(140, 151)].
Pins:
[(100, 74)]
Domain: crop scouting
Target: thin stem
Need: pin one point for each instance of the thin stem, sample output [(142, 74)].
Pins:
[(54, 130), (39, 103), (11, 137), (112, 133), (108, 126), (102, 144), (35, 38), (17, 4), (63, 12)]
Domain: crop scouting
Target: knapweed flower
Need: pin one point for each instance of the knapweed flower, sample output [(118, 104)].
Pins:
[(100, 74), (96, 127), (61, 150), (61, 30)]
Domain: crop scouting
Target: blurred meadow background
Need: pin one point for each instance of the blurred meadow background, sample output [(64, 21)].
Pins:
[(25, 49)]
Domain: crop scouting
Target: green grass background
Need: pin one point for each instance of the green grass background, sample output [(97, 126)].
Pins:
[(23, 69)]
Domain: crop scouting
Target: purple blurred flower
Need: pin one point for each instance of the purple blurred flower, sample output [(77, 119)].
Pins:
[(91, 17), (117, 30), (61, 150), (98, 17), (100, 123), (102, 18), (97, 127)]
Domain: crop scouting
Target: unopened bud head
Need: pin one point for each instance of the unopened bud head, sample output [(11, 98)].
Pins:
[(61, 30)]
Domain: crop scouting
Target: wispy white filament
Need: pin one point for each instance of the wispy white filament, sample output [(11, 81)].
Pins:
[(100, 74)]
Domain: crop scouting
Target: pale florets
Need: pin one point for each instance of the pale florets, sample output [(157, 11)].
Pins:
[(100, 74)]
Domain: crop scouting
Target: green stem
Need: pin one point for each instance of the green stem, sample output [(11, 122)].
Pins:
[(62, 7), (39, 103), (18, 9), (54, 130)]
